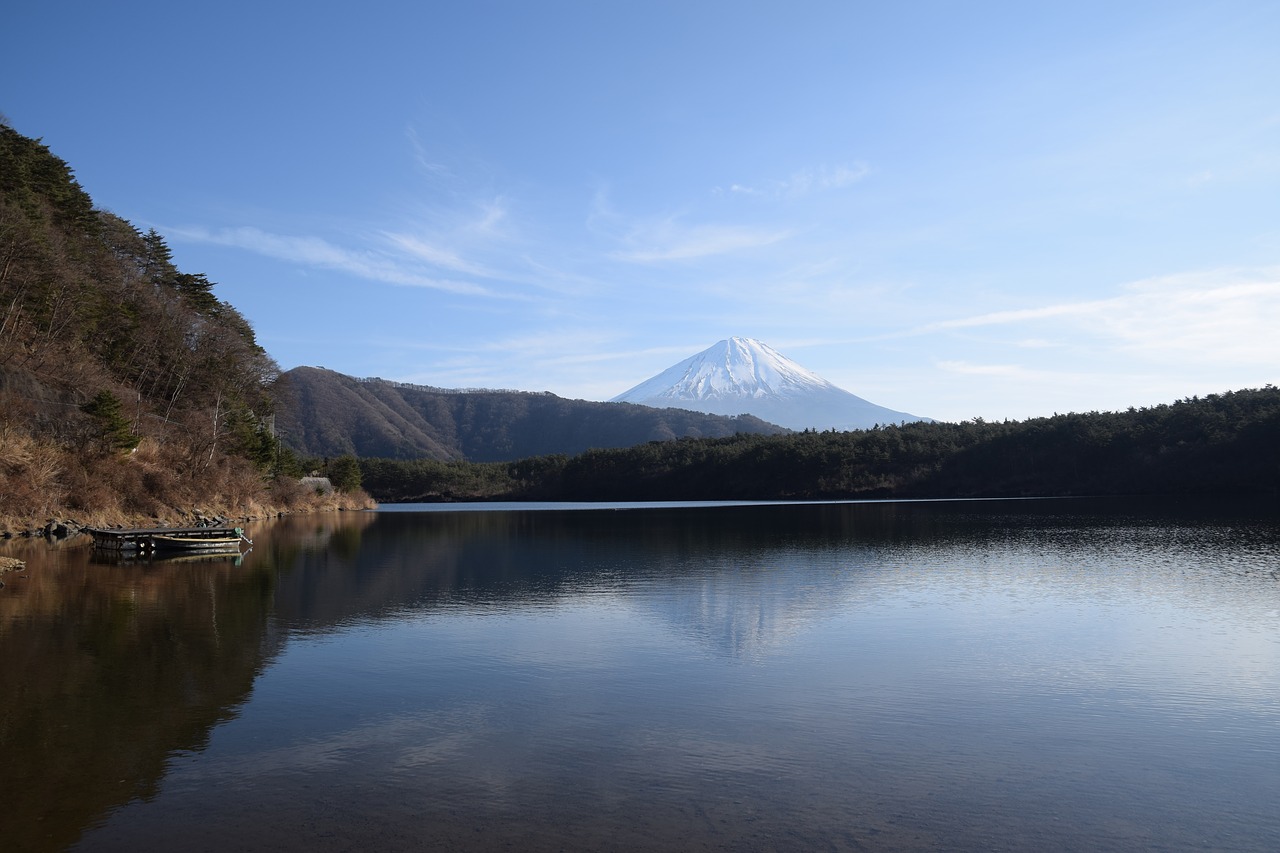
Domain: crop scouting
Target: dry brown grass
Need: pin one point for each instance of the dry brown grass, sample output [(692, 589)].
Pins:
[(155, 485), (30, 474)]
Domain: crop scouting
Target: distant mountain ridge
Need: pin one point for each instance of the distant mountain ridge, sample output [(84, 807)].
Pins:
[(325, 413), (743, 375)]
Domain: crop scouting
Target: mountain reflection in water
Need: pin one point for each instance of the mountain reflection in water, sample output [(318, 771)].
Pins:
[(1056, 675)]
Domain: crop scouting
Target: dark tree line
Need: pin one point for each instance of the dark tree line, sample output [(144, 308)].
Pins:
[(1222, 443)]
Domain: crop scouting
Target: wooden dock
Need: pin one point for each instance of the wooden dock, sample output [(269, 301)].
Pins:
[(147, 540)]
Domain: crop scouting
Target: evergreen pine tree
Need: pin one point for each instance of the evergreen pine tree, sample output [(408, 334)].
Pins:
[(114, 431)]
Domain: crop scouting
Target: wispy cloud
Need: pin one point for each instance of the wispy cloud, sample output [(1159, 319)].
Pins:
[(1221, 316), (670, 242), (317, 252), (1227, 317), (804, 182), (1004, 371), (672, 236), (438, 256), (825, 178), (1078, 309), (525, 359), (493, 213), (547, 346), (422, 159)]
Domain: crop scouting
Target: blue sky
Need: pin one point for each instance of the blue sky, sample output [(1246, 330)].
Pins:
[(1001, 210)]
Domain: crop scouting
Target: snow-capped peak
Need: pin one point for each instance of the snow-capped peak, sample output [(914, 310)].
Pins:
[(743, 375), (736, 368)]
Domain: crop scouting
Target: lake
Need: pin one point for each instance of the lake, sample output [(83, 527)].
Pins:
[(971, 675)]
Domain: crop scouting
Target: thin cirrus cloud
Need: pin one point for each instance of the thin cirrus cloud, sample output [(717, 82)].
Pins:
[(316, 252), (670, 243), (1011, 372), (1213, 317), (816, 180), (804, 182), (668, 239), (437, 256), (422, 159), (549, 346)]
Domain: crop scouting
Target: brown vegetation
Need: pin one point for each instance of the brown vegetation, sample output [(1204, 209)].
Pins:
[(128, 391), (41, 481)]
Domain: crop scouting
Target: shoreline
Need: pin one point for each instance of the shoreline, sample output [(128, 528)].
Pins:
[(60, 526)]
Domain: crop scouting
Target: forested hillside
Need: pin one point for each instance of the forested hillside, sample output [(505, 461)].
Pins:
[(128, 390), (1220, 444), (323, 413)]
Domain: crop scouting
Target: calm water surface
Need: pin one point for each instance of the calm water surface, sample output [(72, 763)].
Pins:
[(1023, 675)]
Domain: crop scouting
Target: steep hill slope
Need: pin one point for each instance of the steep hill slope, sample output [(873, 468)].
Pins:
[(128, 389), (324, 413), (742, 375)]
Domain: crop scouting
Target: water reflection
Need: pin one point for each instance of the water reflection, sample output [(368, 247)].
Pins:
[(741, 578), (108, 669), (888, 675), (110, 557)]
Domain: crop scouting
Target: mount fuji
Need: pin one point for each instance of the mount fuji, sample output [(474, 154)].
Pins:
[(744, 376)]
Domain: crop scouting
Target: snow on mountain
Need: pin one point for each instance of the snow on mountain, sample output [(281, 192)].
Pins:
[(745, 376)]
